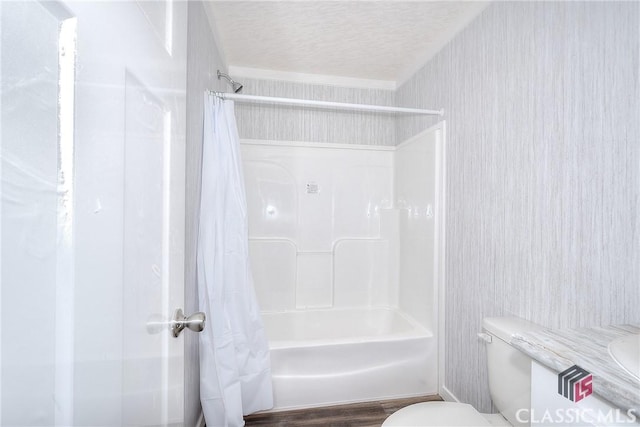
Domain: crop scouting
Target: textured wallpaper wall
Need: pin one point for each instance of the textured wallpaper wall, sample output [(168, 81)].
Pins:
[(542, 105), (203, 60), (283, 123)]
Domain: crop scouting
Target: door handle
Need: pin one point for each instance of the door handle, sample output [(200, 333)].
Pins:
[(195, 322)]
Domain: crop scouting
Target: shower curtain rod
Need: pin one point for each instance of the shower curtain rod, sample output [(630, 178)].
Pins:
[(325, 104)]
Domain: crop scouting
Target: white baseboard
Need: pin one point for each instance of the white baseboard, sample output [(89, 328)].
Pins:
[(200, 422), (446, 394)]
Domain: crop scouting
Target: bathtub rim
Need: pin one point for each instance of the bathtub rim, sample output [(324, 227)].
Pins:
[(416, 330)]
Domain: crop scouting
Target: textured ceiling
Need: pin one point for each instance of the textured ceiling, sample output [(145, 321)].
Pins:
[(378, 40)]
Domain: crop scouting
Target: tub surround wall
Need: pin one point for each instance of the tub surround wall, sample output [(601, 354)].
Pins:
[(415, 200), (326, 243), (542, 101), (335, 226), (285, 123), (203, 60), (318, 225)]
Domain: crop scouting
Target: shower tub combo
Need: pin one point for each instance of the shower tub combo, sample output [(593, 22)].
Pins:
[(342, 244), (321, 357)]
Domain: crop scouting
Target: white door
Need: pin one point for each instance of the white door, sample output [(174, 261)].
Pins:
[(92, 133)]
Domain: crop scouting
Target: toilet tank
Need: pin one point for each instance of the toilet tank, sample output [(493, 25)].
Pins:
[(509, 369)]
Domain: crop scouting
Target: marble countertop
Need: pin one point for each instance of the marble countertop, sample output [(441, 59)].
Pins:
[(559, 349)]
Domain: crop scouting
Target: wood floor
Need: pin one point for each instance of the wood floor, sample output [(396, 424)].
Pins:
[(367, 414)]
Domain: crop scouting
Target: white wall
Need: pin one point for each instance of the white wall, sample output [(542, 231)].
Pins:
[(317, 225), (415, 198), (542, 101), (363, 237), (28, 207)]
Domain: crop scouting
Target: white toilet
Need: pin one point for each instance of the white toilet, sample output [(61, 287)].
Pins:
[(509, 385)]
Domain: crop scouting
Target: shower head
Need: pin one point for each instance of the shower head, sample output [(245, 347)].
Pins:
[(237, 87)]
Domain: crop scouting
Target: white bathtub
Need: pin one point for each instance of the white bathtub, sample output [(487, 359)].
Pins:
[(323, 357)]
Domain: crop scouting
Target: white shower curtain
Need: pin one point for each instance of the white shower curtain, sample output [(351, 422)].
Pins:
[(235, 373)]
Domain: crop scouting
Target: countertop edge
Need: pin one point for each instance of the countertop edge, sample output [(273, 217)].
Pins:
[(602, 387)]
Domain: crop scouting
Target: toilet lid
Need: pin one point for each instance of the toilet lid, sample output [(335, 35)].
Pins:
[(436, 414)]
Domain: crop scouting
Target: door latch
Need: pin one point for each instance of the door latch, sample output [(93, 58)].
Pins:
[(195, 322)]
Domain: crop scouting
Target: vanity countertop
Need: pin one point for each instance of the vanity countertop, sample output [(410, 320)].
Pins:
[(559, 349)]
